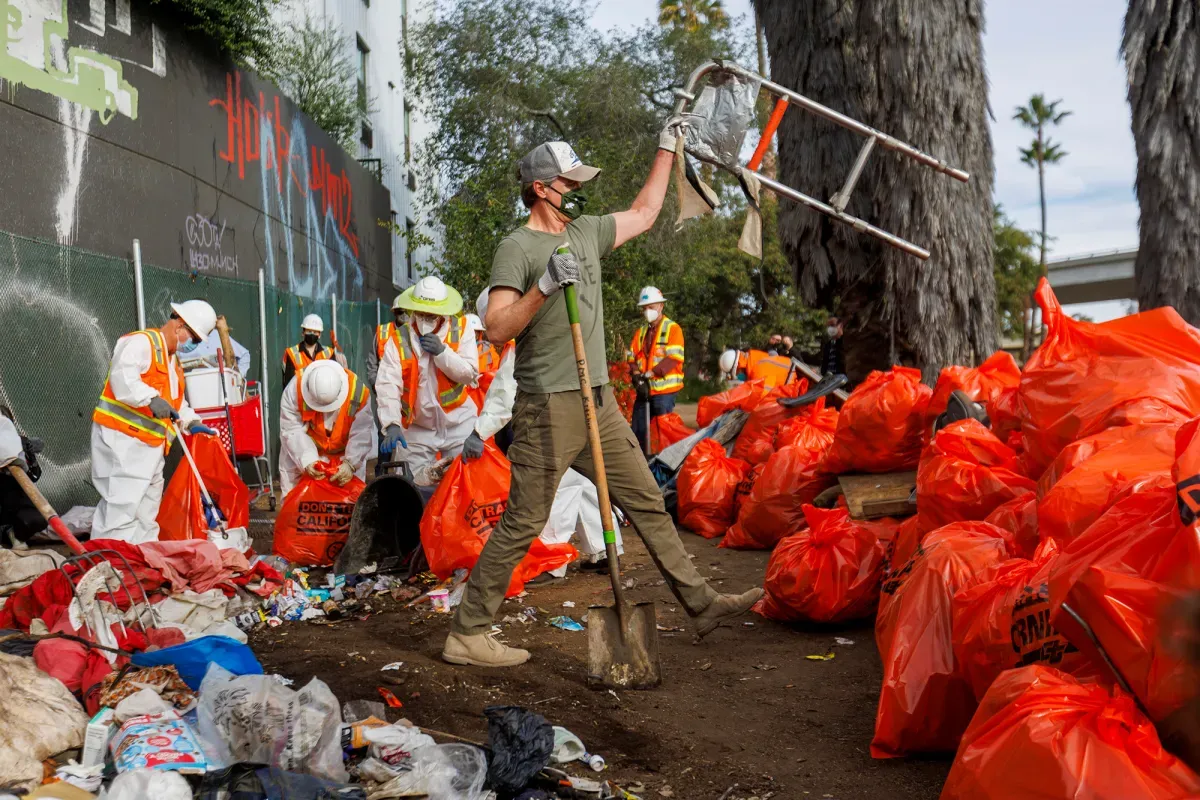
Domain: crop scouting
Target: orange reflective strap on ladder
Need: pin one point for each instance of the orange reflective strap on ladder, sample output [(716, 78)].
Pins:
[(768, 134)]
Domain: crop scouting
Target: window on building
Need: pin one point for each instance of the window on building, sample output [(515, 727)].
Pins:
[(363, 53), (410, 229), (407, 133), (367, 137)]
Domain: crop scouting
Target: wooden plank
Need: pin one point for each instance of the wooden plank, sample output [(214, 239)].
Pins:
[(885, 495)]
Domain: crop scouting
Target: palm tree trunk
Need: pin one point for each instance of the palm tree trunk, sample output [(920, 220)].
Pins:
[(914, 69), (1160, 43)]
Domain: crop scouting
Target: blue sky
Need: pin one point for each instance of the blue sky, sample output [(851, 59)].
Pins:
[(1065, 49)]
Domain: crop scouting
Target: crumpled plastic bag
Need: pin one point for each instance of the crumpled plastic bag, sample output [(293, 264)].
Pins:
[(1085, 377), (1019, 517), (999, 372), (828, 572), (926, 702), (140, 784), (1004, 414), (256, 718), (314, 520), (774, 509), (1004, 623), (756, 442), (181, 514), (41, 718), (521, 743), (881, 427), (1040, 734), (439, 772), (666, 430), (706, 486), (745, 396), (964, 474), (463, 512), (1089, 475)]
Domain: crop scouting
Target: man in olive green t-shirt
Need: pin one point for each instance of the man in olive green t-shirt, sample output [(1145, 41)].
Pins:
[(549, 430)]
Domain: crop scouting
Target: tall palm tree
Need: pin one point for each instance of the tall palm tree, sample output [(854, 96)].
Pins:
[(1162, 38), (691, 15), (913, 69)]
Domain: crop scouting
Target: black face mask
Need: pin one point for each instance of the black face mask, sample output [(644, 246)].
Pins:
[(311, 338)]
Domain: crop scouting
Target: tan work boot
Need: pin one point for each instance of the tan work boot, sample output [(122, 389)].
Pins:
[(481, 650), (724, 609)]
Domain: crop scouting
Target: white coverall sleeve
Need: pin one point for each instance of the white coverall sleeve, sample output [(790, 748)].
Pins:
[(10, 441), (389, 386), (243, 357), (131, 358), (498, 402), (462, 366), (362, 444), (293, 433)]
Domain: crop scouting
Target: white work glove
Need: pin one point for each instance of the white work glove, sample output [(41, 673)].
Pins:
[(342, 475), (431, 474), (672, 130), (561, 270)]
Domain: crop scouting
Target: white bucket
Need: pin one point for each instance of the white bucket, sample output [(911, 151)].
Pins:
[(204, 387)]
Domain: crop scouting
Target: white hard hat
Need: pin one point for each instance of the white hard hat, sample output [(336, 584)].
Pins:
[(728, 363), (431, 296), (324, 386), (475, 322), (650, 295), (197, 315), (481, 303), (312, 323), (396, 303)]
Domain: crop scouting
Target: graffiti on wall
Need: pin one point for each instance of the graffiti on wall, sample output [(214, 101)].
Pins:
[(206, 249), (299, 189)]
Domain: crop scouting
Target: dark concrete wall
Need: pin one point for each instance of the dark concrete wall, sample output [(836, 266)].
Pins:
[(127, 126)]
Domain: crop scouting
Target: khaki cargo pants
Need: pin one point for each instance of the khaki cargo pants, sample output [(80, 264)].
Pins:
[(549, 435)]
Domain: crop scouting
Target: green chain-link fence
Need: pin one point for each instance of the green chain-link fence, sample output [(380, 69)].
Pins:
[(63, 310)]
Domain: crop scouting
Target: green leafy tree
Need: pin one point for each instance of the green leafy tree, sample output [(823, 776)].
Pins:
[(693, 15), (313, 67), (1038, 115), (1016, 271), (242, 29)]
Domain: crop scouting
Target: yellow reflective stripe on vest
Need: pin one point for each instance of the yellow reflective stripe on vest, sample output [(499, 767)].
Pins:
[(131, 416), (158, 344), (666, 383), (452, 394)]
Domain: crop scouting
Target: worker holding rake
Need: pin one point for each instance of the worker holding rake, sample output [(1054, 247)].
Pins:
[(550, 429)]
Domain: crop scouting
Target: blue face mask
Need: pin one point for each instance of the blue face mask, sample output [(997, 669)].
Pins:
[(188, 346)]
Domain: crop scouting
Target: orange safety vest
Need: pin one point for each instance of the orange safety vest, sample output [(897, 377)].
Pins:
[(451, 395), (668, 343), (489, 365), (333, 442), (772, 370), (382, 334), (139, 422), (300, 358)]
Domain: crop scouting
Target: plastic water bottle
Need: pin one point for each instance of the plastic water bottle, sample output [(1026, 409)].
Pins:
[(593, 761)]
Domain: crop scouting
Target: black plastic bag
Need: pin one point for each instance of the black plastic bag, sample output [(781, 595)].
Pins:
[(521, 743)]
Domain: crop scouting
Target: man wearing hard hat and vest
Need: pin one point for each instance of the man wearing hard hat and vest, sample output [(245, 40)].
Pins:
[(133, 424), (308, 350), (425, 376), (383, 334), (752, 365), (656, 359), (325, 412)]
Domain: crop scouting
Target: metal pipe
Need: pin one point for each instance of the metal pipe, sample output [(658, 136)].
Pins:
[(266, 386), (842, 198), (138, 287), (333, 319), (378, 313)]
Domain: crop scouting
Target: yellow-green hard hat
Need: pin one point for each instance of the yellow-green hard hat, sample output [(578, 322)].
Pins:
[(430, 296)]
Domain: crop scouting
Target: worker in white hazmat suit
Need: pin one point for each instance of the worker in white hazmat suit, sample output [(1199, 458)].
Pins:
[(576, 507), (325, 412), (133, 424), (425, 376)]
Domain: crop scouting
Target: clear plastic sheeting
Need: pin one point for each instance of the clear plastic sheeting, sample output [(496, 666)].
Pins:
[(718, 120)]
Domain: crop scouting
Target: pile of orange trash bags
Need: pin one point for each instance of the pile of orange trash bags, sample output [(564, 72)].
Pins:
[(758, 437), (181, 514), (707, 484), (998, 374), (744, 397), (463, 512)]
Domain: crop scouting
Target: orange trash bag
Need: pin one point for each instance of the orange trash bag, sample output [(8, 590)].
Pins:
[(827, 573), (1019, 517), (790, 479), (999, 372), (926, 701), (181, 514), (1089, 475), (813, 428), (881, 427), (622, 385), (964, 474), (1004, 414), (756, 441), (708, 480), (903, 545), (314, 520), (1127, 579), (1086, 377), (745, 396), (666, 430), (1040, 734), (1004, 623), (463, 512), (744, 487)]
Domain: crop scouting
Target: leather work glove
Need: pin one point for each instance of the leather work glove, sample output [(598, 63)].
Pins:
[(431, 343), (394, 435), (200, 427), (161, 409), (472, 447), (431, 474), (313, 470), (561, 270), (343, 474)]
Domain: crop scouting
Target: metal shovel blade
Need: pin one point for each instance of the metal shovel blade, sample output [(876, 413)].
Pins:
[(623, 648)]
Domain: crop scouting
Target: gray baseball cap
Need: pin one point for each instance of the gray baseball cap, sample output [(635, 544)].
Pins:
[(550, 160)]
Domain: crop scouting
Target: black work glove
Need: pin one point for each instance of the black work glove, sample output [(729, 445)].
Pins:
[(432, 344), (161, 409), (472, 447)]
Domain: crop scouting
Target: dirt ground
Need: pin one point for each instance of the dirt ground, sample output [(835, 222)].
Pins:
[(742, 709)]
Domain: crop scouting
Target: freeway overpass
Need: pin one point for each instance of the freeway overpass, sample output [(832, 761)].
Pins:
[(1094, 277)]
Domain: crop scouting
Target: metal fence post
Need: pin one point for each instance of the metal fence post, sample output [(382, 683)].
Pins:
[(265, 361), (333, 318), (138, 288), (378, 312)]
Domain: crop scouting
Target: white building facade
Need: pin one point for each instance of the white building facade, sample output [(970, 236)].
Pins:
[(375, 33)]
